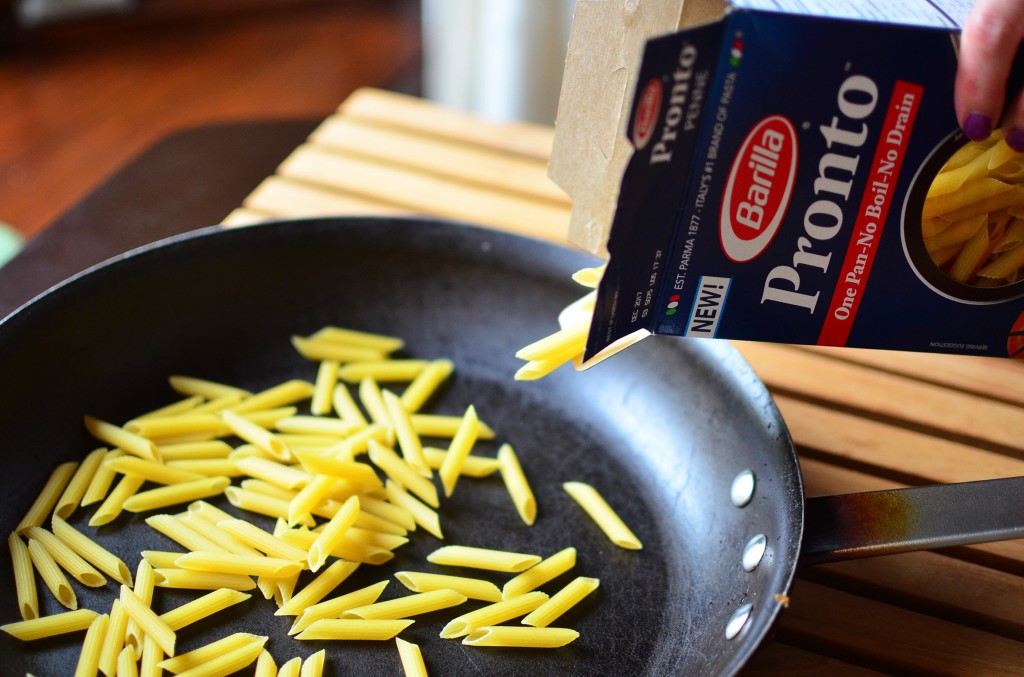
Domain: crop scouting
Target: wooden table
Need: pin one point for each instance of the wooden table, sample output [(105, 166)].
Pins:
[(862, 420)]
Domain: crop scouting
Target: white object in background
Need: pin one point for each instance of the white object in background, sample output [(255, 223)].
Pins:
[(502, 59), (32, 13)]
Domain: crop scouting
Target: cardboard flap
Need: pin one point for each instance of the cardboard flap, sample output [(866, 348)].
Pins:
[(590, 150)]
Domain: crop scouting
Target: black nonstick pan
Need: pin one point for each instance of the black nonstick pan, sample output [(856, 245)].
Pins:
[(680, 435)]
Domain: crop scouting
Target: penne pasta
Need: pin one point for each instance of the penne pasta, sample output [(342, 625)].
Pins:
[(318, 588), (411, 657), (318, 351), (333, 533), (291, 668), (563, 344), (101, 480), (203, 607), (265, 665), (269, 506), (409, 605), (147, 620), (268, 489), (78, 484), (347, 549), (215, 534), (91, 551), (458, 450), (472, 466), (300, 507), (192, 423), (190, 451), (403, 473), (208, 467), (209, 652), (51, 574), (174, 494), (352, 471), (247, 565), (174, 409), (182, 534), (509, 636), (313, 666), (210, 390), (408, 440), (145, 581), (482, 558), (89, 658), (560, 602), (323, 387), (208, 512), (113, 640), (118, 437), (379, 342), (354, 629), (332, 429), (333, 608), (421, 513), (492, 614), (540, 573), (281, 395), (346, 408), (152, 656), (265, 542), (150, 470), (113, 504), (426, 383), (227, 663), (24, 578), (589, 277), (603, 515), (67, 558), (47, 498), (51, 626), (256, 435), (126, 665), (161, 559), (183, 579), (373, 401), (386, 511), (517, 484), (437, 425), (359, 442), (473, 588), (382, 371), (375, 538)]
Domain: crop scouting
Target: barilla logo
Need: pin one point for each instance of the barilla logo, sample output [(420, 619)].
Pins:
[(647, 111), (759, 189)]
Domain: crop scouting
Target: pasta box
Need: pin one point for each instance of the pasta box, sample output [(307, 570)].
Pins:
[(801, 178)]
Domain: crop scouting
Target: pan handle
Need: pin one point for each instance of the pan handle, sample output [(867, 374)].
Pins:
[(874, 523)]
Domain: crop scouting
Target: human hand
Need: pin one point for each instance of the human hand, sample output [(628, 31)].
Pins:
[(991, 36)]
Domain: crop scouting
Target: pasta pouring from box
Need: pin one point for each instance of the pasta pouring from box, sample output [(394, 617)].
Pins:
[(722, 533)]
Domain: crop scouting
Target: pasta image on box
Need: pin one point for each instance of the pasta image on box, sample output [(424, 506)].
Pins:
[(801, 178)]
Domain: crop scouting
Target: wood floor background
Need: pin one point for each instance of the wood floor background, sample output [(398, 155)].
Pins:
[(79, 99)]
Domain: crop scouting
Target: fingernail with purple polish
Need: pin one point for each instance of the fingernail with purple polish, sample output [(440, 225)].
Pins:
[(977, 127), (1015, 140)]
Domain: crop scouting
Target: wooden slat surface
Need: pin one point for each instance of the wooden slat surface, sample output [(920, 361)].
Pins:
[(862, 420)]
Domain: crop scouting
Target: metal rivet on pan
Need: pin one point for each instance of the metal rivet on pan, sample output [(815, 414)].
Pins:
[(738, 621), (754, 551), (742, 488)]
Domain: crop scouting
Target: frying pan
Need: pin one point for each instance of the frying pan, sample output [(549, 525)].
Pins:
[(680, 435)]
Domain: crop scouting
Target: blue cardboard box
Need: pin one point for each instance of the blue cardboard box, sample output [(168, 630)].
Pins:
[(785, 186)]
